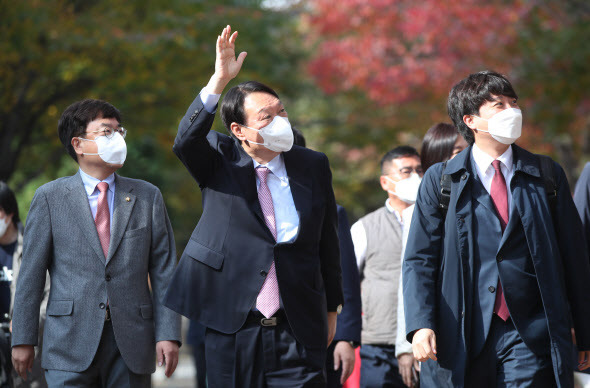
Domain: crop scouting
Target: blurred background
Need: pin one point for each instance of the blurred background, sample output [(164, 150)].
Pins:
[(358, 77)]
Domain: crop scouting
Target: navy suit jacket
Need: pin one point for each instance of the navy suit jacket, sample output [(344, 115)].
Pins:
[(439, 262), (349, 323), (225, 261)]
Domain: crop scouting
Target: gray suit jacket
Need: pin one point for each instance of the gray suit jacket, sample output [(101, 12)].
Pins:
[(61, 237)]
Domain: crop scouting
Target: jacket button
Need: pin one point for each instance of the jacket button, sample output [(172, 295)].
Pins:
[(464, 176), (262, 273), (102, 306), (492, 289), (499, 259), (462, 314), (107, 278)]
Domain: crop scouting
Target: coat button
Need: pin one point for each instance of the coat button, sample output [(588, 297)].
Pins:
[(464, 176), (107, 278), (499, 258), (462, 314), (492, 289), (263, 273), (102, 306)]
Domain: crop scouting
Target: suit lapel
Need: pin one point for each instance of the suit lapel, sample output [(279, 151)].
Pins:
[(300, 184), (123, 205), (246, 177), (81, 213)]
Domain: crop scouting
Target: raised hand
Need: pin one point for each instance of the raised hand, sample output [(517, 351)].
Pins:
[(227, 66)]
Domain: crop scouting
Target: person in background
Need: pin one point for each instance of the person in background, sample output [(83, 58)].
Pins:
[(340, 359), (494, 283), (11, 248), (101, 236), (442, 142), (377, 239)]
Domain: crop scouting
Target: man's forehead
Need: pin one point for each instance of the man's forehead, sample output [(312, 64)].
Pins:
[(258, 101), (408, 160)]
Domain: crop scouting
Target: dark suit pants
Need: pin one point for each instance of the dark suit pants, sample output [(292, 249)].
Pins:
[(262, 356), (107, 370), (506, 361), (379, 367)]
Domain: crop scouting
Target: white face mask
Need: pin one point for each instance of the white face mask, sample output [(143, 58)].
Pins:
[(406, 189), (277, 136), (505, 126), (4, 223), (112, 151)]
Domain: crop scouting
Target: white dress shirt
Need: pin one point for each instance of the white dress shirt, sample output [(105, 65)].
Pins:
[(359, 235), (286, 217), (93, 192), (209, 100), (485, 170)]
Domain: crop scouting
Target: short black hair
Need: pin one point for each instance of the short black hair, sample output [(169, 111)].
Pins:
[(438, 144), (232, 106), (469, 94), (8, 202), (75, 119), (398, 152), (298, 138)]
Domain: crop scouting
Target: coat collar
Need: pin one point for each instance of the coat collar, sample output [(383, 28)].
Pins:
[(81, 213), (122, 206), (524, 161), (122, 203)]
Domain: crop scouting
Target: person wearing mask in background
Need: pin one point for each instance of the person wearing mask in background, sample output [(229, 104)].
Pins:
[(11, 248), (377, 239), (261, 270), (340, 359), (442, 142), (100, 236), (494, 284)]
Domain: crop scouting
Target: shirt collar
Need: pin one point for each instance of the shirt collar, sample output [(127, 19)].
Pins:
[(392, 210), (276, 166), (484, 161), (90, 182)]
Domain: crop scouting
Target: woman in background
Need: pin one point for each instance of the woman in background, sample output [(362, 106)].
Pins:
[(442, 142)]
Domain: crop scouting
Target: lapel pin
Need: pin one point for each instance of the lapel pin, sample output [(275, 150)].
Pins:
[(127, 199)]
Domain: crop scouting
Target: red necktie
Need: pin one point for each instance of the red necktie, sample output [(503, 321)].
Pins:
[(103, 218), (268, 301), (499, 195)]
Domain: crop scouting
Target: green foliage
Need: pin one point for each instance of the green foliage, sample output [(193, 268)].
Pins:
[(149, 58)]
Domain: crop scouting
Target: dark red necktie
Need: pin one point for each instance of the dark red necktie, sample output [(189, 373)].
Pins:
[(499, 195)]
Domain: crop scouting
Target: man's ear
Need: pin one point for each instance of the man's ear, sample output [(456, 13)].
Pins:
[(77, 145), (469, 120), (237, 130), (384, 182)]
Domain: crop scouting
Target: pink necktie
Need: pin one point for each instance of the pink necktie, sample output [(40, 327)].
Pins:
[(103, 218), (499, 195), (268, 301)]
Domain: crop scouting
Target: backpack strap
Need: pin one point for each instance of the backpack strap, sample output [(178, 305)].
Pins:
[(549, 181), (445, 191)]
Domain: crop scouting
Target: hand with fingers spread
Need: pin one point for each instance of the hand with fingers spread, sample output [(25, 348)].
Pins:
[(167, 355), (424, 345), (227, 66), (22, 359)]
